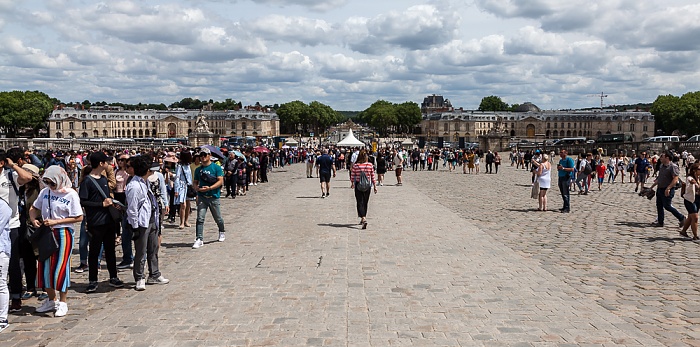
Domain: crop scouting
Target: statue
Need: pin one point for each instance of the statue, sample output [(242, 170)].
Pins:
[(201, 125)]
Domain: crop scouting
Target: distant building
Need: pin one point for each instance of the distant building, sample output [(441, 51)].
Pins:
[(532, 123), (115, 122)]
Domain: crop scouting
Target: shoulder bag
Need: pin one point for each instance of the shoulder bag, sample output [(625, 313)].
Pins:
[(363, 184), (117, 209), (191, 193), (44, 240)]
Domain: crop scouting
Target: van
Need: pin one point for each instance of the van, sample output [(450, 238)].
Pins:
[(662, 139), (694, 138)]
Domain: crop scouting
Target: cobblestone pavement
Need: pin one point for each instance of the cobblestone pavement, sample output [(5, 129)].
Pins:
[(447, 260), (605, 249)]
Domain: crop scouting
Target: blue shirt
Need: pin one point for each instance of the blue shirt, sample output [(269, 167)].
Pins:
[(215, 171), (140, 208), (642, 165), (325, 163), (566, 163)]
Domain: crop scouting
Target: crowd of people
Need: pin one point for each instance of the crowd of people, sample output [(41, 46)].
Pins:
[(117, 198), (577, 175)]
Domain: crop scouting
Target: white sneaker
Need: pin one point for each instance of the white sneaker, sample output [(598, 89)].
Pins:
[(61, 309), (159, 280), (47, 306), (222, 237), (140, 285), (198, 243)]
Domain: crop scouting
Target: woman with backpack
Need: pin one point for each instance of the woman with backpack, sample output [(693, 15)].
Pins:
[(362, 181)]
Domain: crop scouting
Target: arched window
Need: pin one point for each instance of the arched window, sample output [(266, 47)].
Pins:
[(84, 135), (59, 135), (556, 133), (128, 133), (580, 133), (153, 133), (547, 134), (72, 134), (95, 133), (140, 133), (512, 133), (568, 133), (104, 133)]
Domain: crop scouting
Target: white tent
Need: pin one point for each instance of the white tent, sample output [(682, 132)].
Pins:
[(350, 141), (291, 142)]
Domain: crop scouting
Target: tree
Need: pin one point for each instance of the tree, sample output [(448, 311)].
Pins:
[(408, 116), (321, 116), (381, 115), (672, 113), (493, 103), (291, 115), (28, 109)]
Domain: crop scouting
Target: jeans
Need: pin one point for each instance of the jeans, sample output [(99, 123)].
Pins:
[(83, 244), (103, 237), (215, 207), (564, 190), (14, 269), (127, 252), (582, 177), (489, 167), (4, 291), (362, 199), (665, 202), (146, 250)]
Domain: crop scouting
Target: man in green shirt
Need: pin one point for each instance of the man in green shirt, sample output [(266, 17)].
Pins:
[(208, 179)]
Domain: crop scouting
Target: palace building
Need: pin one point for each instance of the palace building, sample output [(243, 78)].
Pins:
[(441, 120), (115, 122)]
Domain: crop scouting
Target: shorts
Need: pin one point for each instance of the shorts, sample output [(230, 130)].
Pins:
[(641, 177), (600, 179), (324, 177), (543, 189), (692, 207), (398, 171)]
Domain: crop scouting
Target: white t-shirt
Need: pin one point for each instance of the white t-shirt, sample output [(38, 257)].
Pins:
[(63, 205), (7, 193), (398, 159)]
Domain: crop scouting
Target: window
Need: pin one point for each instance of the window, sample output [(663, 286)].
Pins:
[(619, 126), (645, 127), (58, 125), (71, 126), (83, 125), (548, 128), (255, 125), (233, 125), (568, 125), (555, 125), (243, 126), (631, 126), (140, 125), (574, 125), (154, 124), (445, 127)]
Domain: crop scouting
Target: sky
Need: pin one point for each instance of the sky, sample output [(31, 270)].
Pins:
[(350, 53)]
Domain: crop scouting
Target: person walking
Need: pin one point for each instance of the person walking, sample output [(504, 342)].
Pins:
[(58, 206), (691, 200), (362, 196), (229, 168), (641, 169), (5, 251), (208, 179), (496, 160), (565, 170), (398, 163), (544, 179), (183, 179), (94, 197), (325, 166), (666, 183), (142, 216)]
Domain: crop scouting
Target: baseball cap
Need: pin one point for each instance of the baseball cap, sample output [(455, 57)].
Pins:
[(205, 150), (155, 166)]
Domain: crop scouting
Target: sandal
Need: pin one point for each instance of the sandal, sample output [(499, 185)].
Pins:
[(364, 225), (684, 234)]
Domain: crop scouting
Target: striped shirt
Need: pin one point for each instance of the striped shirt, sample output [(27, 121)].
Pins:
[(368, 169)]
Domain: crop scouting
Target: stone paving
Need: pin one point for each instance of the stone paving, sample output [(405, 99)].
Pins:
[(447, 260)]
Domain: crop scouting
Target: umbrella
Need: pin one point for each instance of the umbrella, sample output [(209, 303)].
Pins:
[(214, 151), (261, 149), (238, 153)]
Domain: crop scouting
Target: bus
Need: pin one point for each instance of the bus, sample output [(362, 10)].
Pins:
[(570, 141), (615, 138)]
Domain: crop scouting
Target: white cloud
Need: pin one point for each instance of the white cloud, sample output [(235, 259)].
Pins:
[(305, 31), (314, 5)]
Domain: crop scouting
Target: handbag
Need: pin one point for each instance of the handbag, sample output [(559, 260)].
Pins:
[(689, 190), (191, 193), (117, 209), (535, 190), (44, 239)]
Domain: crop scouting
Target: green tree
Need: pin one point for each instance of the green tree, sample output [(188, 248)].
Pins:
[(381, 115), (408, 116), (670, 113), (493, 103), (292, 114), (321, 117), (28, 109)]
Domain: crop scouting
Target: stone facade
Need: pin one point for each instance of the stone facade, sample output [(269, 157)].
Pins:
[(115, 122), (536, 126)]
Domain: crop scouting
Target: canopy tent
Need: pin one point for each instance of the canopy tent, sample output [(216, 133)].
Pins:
[(291, 143), (350, 141)]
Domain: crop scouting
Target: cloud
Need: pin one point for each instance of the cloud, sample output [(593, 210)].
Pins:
[(305, 31), (531, 40), (314, 5), (516, 8), (22, 56), (418, 27)]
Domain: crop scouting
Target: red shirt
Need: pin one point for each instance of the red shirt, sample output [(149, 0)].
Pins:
[(367, 168)]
